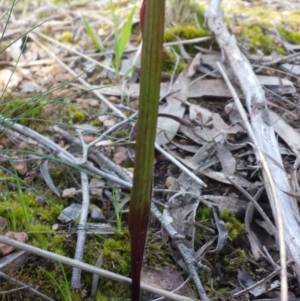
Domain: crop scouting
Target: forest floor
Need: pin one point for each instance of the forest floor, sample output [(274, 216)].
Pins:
[(69, 71)]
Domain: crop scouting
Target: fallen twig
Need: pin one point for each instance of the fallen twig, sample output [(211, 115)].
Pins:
[(90, 268), (186, 253), (81, 231), (24, 286)]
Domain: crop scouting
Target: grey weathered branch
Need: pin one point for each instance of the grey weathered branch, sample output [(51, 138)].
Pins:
[(81, 232)]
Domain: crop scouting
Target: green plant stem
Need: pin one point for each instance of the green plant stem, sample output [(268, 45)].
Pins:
[(151, 65)]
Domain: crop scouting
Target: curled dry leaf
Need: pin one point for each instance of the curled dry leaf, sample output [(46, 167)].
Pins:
[(212, 126), (222, 231), (47, 178)]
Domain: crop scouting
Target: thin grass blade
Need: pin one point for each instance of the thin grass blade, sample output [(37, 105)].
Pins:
[(124, 37), (93, 36)]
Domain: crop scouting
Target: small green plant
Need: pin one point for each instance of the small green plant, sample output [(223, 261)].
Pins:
[(118, 212), (22, 199), (12, 217), (65, 289), (121, 39), (93, 36)]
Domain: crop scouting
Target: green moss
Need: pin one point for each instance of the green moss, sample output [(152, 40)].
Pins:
[(169, 62), (185, 32), (57, 240), (115, 291), (96, 122), (234, 227), (121, 235), (293, 20), (204, 213), (111, 244), (78, 116), (234, 261), (75, 296), (100, 297), (280, 50), (67, 37), (40, 241), (116, 250), (157, 252), (289, 36), (21, 110), (222, 292), (116, 258), (15, 207), (39, 228), (120, 134), (256, 39), (3, 46), (72, 114)]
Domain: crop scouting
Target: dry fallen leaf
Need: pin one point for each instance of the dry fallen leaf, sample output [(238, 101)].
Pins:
[(236, 29), (87, 102), (21, 168), (121, 155), (18, 236), (164, 278), (69, 192)]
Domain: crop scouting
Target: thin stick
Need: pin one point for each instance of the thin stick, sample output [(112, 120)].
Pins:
[(81, 232), (89, 268), (25, 286)]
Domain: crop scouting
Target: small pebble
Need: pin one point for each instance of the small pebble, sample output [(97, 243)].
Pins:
[(96, 214)]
